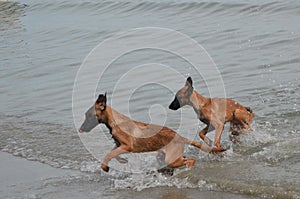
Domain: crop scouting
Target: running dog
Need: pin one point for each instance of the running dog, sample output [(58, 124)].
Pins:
[(214, 112), (137, 137)]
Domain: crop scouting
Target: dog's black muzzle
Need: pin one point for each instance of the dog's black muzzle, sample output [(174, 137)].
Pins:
[(88, 124), (175, 104)]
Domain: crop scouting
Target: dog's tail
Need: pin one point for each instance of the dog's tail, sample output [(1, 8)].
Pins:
[(250, 110), (201, 146)]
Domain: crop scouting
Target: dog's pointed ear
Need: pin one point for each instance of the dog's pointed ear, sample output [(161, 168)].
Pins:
[(189, 82), (101, 98), (101, 102)]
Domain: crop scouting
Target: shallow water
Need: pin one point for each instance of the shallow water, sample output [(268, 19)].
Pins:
[(255, 46)]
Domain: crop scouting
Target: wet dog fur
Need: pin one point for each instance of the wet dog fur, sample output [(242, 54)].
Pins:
[(214, 112), (137, 137)]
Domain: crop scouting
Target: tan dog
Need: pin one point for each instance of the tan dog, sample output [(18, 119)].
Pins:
[(136, 137), (214, 112)]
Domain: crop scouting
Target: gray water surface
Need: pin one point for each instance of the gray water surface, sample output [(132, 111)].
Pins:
[(254, 44)]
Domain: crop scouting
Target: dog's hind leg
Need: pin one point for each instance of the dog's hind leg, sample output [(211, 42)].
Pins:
[(243, 119), (190, 162), (181, 161), (178, 162), (174, 153)]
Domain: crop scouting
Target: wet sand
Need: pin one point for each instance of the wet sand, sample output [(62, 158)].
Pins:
[(21, 178)]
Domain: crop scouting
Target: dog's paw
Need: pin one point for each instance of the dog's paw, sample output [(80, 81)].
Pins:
[(235, 133), (235, 138), (216, 150), (122, 160), (167, 171), (104, 167)]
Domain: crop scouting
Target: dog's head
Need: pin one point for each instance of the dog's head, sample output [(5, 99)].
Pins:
[(94, 115), (182, 96)]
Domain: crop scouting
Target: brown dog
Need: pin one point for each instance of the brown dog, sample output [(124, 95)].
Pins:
[(136, 137), (214, 112)]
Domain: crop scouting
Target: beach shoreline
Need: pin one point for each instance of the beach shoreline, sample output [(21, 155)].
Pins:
[(19, 175), (22, 178)]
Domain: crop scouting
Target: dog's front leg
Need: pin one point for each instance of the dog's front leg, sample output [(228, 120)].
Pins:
[(219, 129), (114, 153), (120, 159), (203, 133)]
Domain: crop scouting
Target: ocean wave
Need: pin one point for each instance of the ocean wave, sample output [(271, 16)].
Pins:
[(10, 13), (230, 7)]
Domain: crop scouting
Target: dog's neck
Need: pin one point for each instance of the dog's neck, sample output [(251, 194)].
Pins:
[(113, 118), (197, 101)]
